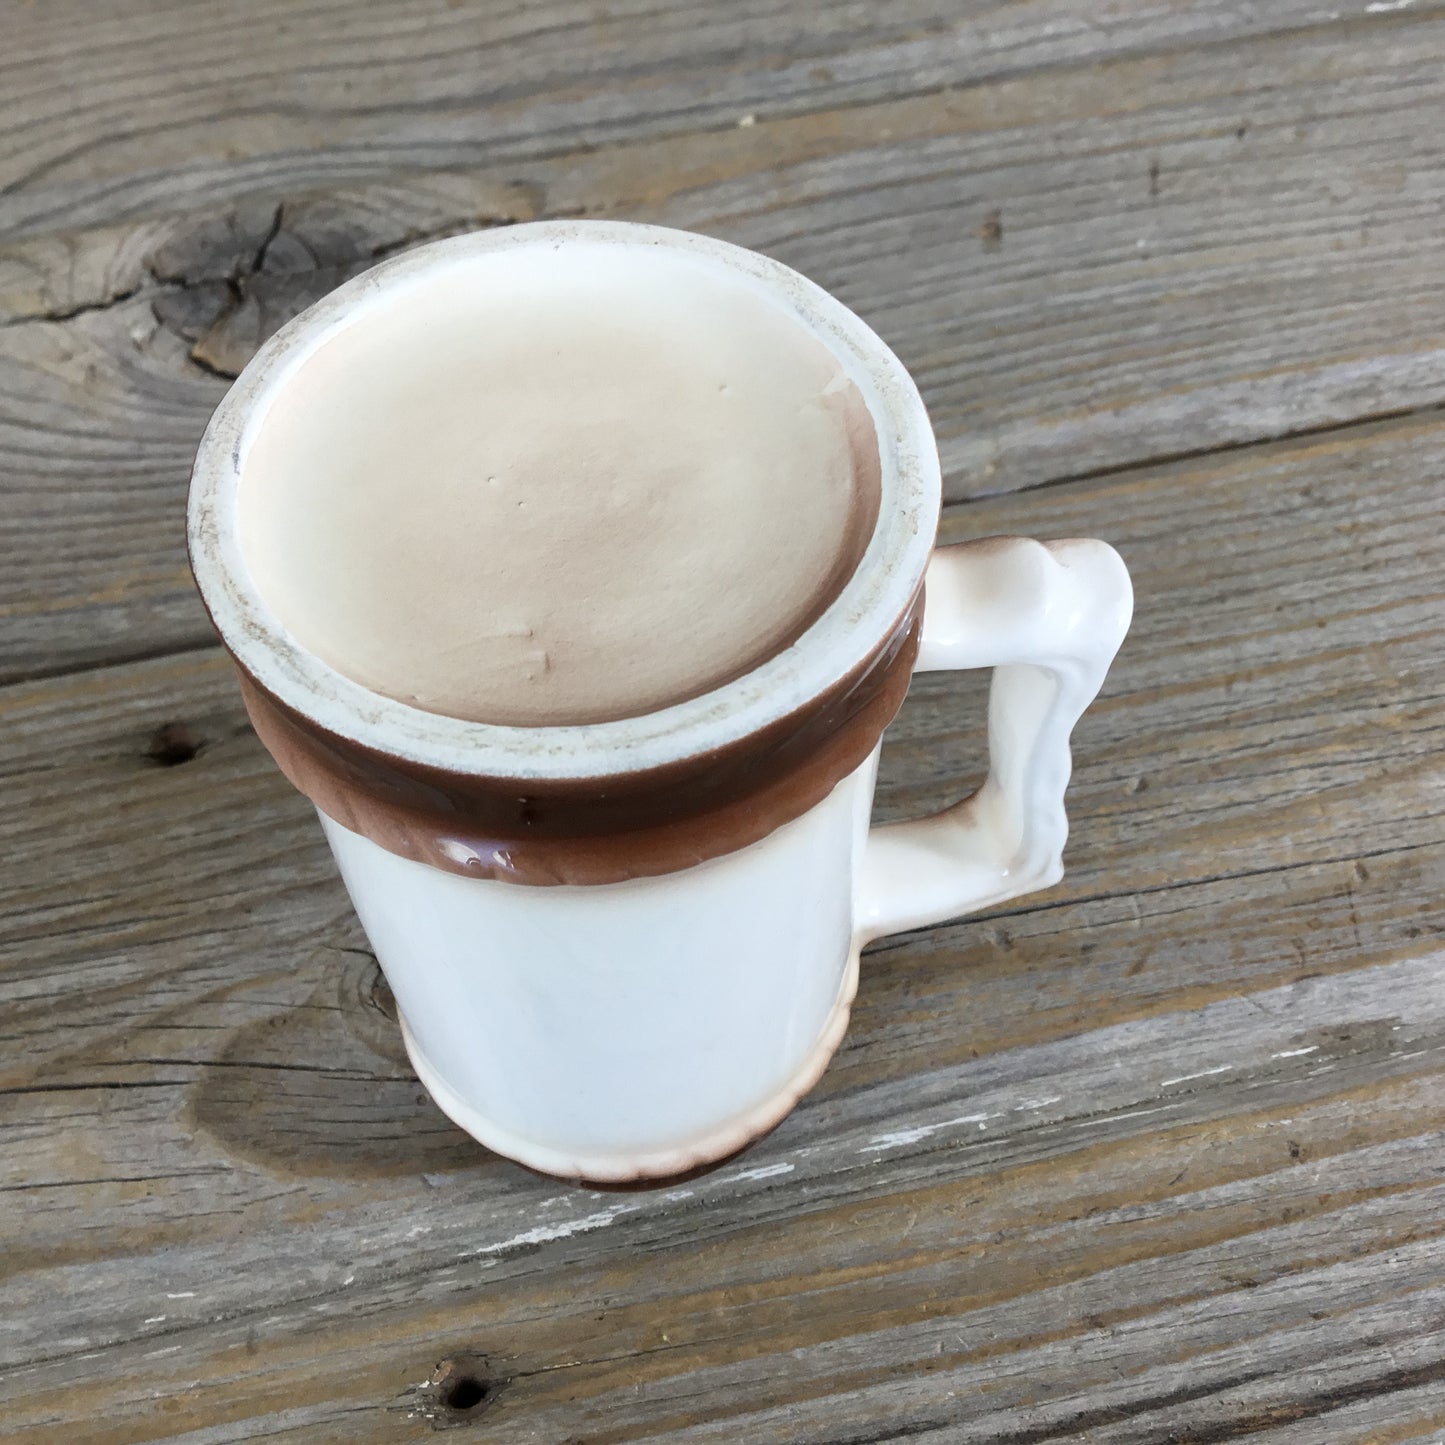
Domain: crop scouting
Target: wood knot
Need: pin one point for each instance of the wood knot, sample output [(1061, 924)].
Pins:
[(235, 276), (368, 1006), (174, 743), (458, 1391), (380, 997), (238, 276)]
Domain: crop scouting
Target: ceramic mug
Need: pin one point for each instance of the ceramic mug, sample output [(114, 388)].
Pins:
[(622, 951)]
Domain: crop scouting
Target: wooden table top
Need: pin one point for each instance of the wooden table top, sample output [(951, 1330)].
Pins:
[(1155, 1156)]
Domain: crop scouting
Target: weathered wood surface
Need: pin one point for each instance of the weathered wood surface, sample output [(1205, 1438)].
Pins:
[(1157, 1153), (114, 108), (1154, 1157), (1094, 262)]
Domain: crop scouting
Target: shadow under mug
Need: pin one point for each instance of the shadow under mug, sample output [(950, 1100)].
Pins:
[(621, 951)]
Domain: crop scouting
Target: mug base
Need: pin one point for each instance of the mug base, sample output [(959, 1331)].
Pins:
[(646, 1168)]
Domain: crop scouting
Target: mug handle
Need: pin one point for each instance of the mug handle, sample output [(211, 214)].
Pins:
[(1048, 617)]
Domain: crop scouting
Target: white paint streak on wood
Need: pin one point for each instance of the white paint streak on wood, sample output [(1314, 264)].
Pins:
[(900, 1138), (1202, 1074), (545, 1233), (1104, 1120), (764, 1171)]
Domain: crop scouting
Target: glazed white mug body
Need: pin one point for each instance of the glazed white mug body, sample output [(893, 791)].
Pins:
[(638, 1020)]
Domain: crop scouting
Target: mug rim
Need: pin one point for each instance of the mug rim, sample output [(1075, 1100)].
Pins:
[(879, 591)]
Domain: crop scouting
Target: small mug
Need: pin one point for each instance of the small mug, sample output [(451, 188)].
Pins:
[(622, 951)]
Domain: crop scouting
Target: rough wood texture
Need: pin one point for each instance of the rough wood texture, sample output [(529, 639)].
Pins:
[(1146, 1153), (1155, 1157), (133, 110), (1085, 264)]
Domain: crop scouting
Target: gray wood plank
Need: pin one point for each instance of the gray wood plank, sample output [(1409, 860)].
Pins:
[(1099, 1251), (1156, 1152), (121, 108), (1279, 589), (1287, 281)]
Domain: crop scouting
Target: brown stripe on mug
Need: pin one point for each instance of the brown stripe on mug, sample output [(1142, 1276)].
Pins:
[(595, 830)]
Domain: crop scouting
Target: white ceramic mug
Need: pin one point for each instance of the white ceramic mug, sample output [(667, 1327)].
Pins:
[(622, 951)]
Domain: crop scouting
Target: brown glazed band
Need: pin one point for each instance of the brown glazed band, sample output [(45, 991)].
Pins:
[(588, 831)]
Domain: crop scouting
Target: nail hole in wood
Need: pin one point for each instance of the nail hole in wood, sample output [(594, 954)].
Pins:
[(465, 1392), (173, 743), (461, 1388)]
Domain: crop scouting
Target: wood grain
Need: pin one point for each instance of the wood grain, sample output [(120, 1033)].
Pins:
[(1150, 1262), (1154, 1156), (113, 108), (1191, 251)]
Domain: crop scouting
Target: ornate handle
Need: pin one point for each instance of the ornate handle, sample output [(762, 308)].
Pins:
[(1048, 618)]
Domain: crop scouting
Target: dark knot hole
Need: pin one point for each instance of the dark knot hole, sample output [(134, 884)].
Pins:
[(465, 1392), (174, 743)]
